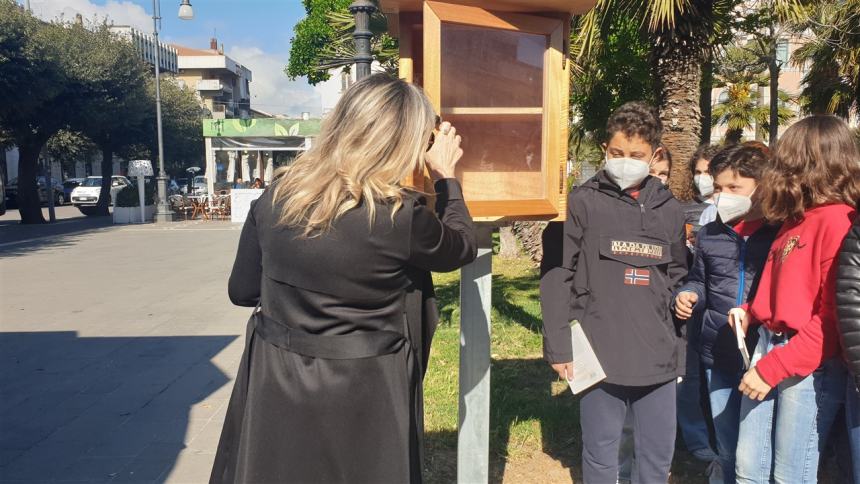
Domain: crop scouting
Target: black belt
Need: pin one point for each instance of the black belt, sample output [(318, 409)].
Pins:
[(339, 347)]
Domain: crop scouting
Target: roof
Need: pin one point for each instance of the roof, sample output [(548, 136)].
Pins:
[(188, 51), (575, 7)]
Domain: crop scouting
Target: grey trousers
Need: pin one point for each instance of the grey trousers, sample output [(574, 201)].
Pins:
[(602, 413)]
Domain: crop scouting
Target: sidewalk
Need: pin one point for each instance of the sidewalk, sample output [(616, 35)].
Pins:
[(118, 348)]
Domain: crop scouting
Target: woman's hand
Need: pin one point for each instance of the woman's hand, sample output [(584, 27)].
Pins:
[(564, 370), (684, 303), (443, 156), (754, 386)]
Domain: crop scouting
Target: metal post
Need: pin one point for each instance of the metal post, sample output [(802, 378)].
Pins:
[(473, 438), (49, 182), (162, 211), (361, 10)]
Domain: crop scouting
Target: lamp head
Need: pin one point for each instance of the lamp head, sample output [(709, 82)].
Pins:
[(185, 10)]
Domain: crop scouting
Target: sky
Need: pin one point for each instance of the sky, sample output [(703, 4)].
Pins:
[(256, 33)]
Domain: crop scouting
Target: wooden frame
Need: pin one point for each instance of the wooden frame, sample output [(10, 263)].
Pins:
[(554, 104)]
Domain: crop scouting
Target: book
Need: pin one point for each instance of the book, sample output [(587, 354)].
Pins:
[(587, 370), (738, 315)]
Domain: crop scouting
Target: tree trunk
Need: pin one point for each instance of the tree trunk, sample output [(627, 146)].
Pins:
[(28, 197), (705, 98), (103, 207), (773, 129), (759, 126), (508, 243), (676, 57), (529, 235)]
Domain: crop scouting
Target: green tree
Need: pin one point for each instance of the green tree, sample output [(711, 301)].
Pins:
[(832, 84), (323, 41), (182, 117), (36, 94), (114, 114), (680, 33), (741, 110), (67, 147), (608, 76), (742, 73)]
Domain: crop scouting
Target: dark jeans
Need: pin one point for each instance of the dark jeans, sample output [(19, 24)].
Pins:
[(602, 412)]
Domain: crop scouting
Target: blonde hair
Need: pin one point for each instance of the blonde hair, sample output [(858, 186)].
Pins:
[(816, 162), (375, 137)]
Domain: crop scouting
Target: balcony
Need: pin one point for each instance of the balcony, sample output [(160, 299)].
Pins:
[(213, 85)]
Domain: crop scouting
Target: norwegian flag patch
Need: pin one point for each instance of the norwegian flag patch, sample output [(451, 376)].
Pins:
[(637, 277)]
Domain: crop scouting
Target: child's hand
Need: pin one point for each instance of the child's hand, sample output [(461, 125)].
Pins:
[(739, 320), (753, 385), (564, 370), (684, 303)]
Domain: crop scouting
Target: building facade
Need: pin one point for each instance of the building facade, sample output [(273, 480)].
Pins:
[(221, 83), (145, 44)]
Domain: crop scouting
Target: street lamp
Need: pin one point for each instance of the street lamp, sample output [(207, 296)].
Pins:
[(185, 12), (163, 212), (361, 11)]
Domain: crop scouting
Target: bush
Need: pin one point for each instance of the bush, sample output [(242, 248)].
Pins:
[(128, 196)]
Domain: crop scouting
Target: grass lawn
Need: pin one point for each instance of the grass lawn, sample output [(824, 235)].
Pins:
[(534, 421)]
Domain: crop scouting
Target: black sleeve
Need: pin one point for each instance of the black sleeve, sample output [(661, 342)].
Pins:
[(244, 285), (443, 241), (848, 300), (695, 281), (561, 247), (678, 251)]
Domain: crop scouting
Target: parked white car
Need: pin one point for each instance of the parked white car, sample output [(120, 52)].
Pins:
[(199, 186), (86, 195)]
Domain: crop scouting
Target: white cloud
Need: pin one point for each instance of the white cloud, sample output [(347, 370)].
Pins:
[(271, 90), (120, 12)]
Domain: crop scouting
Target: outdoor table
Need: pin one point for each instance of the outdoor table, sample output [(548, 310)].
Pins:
[(198, 202)]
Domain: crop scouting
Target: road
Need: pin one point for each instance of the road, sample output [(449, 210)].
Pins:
[(118, 347)]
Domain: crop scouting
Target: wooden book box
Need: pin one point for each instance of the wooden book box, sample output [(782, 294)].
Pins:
[(498, 71)]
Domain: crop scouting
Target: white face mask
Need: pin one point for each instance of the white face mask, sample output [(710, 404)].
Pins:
[(705, 184), (732, 207), (626, 172)]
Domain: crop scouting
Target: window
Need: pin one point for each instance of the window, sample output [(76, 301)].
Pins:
[(782, 53)]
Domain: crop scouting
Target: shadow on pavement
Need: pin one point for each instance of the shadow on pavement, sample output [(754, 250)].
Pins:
[(17, 239), (114, 409)]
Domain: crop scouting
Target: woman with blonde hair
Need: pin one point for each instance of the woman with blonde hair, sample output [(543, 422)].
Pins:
[(335, 255)]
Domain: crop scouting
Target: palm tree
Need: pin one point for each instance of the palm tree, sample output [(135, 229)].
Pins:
[(741, 110), (738, 69), (680, 32), (340, 52), (832, 84)]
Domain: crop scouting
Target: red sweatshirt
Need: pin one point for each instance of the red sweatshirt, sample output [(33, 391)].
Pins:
[(797, 292)]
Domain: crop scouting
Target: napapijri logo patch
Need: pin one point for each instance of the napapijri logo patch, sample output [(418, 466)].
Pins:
[(637, 277), (624, 247)]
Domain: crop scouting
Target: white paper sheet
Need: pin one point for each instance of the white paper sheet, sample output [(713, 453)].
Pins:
[(587, 371)]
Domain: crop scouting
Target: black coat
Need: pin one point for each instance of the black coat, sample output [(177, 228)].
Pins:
[(329, 387), (614, 270), (848, 299), (715, 277)]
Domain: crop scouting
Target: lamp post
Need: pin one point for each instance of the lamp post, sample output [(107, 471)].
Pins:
[(361, 10), (163, 212)]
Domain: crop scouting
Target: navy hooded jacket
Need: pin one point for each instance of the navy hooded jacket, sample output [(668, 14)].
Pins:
[(722, 259)]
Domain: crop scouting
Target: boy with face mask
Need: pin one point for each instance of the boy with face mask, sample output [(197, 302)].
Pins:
[(622, 255), (730, 255)]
